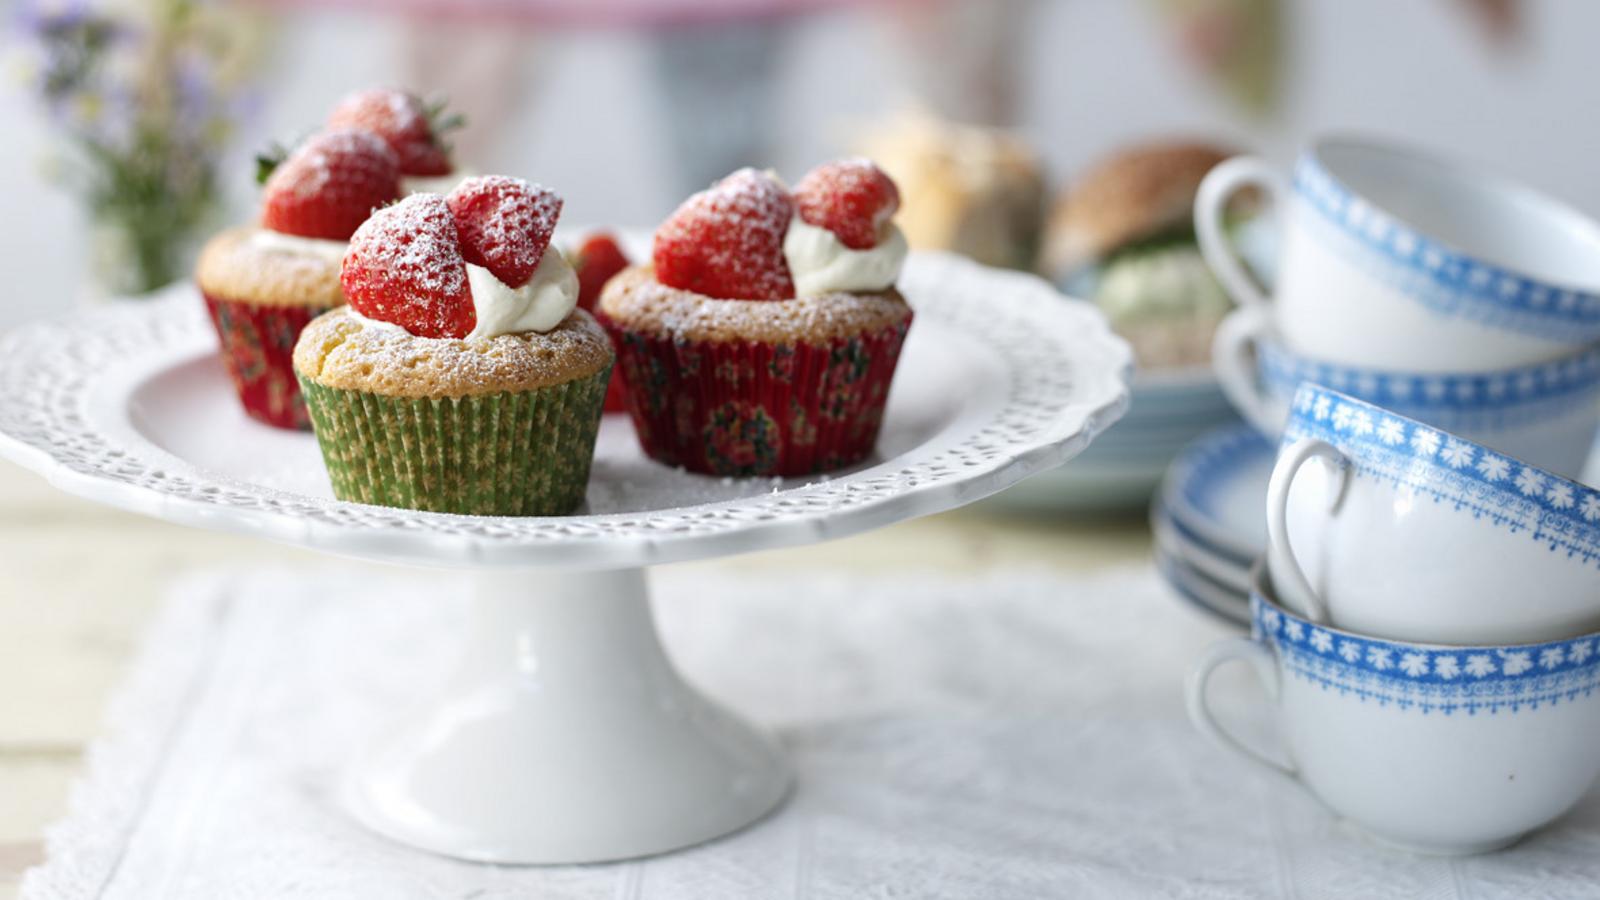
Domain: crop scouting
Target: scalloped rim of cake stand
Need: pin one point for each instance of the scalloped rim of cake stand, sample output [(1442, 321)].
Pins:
[(1068, 376)]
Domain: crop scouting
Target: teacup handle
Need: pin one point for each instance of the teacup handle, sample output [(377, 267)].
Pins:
[(1266, 669), (1280, 556), (1216, 189), (1233, 362)]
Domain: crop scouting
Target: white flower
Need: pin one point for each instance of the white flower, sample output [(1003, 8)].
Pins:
[(1350, 650), (1479, 665), (1457, 454), (1414, 664), (1321, 407), (1579, 652), (1559, 495), (1303, 401), (1590, 507), (1446, 666), (1391, 431), (1551, 657), (1321, 640), (1342, 415), (1425, 441), (1361, 422), (1270, 620), (1514, 662), (1493, 467), (1379, 658), (1293, 630), (1529, 482)]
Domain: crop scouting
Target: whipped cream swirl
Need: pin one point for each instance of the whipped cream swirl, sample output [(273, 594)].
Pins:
[(295, 245), (820, 263), (540, 305)]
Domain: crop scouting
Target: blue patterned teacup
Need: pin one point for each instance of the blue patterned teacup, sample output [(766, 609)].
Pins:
[(1408, 532), (1394, 259), (1434, 748), (1545, 414)]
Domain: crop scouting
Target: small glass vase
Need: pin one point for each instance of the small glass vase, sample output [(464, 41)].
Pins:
[(125, 261)]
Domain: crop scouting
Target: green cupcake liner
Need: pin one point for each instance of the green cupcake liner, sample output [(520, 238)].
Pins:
[(521, 453)]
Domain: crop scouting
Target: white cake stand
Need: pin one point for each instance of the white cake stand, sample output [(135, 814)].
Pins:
[(567, 736)]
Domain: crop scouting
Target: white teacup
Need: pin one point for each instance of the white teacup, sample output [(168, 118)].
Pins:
[(1545, 414), (1407, 532), (1436, 749), (1392, 259)]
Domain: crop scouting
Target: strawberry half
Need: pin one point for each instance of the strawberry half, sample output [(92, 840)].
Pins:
[(411, 128), (404, 266), (727, 241), (852, 198), (596, 262), (330, 184), (505, 224)]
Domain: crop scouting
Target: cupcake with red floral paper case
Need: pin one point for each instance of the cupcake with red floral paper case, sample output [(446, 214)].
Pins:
[(764, 335), (462, 377), (263, 283), (415, 129)]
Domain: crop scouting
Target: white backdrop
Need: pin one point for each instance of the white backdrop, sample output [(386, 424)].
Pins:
[(1102, 72)]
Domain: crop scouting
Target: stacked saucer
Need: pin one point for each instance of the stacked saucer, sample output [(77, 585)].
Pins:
[(1124, 466), (1206, 519)]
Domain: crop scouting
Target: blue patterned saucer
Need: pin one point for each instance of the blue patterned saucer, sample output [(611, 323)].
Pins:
[(1205, 594), (1215, 492)]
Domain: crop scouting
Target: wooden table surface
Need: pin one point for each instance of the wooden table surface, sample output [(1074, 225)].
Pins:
[(78, 582)]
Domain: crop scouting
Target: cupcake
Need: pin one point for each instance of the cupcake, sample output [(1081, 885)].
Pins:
[(413, 128), (462, 377), (263, 283), (762, 338), (1123, 238), (974, 191)]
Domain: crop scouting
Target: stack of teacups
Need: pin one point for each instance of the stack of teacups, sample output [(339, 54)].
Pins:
[(1429, 632), (1433, 290)]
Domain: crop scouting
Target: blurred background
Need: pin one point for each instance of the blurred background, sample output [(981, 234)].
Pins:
[(131, 129), (627, 105)]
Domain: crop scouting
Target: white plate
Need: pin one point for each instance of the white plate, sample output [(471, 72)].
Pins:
[(1216, 492), (131, 407)]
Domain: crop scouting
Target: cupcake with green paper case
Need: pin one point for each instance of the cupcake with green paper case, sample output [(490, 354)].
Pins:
[(462, 377)]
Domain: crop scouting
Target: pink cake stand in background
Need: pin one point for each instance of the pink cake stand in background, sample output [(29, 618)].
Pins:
[(566, 736)]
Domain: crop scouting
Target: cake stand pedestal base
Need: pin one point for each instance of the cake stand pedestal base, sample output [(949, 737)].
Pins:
[(565, 737)]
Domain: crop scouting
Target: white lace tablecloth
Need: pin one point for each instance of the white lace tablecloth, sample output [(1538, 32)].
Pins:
[(1018, 736)]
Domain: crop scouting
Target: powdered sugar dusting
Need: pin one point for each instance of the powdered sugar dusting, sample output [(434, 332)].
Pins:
[(727, 241), (399, 118), (852, 198), (405, 267), (329, 184), (636, 300), (505, 224), (338, 350)]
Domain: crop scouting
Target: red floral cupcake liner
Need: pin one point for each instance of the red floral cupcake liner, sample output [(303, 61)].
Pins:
[(258, 349), (745, 408)]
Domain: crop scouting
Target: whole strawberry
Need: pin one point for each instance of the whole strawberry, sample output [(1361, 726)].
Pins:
[(727, 241), (596, 261), (852, 198), (505, 224), (329, 185), (413, 129), (404, 266)]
